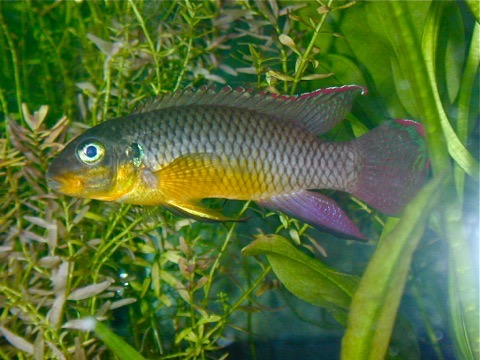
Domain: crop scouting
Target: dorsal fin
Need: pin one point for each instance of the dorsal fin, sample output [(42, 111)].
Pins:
[(317, 111)]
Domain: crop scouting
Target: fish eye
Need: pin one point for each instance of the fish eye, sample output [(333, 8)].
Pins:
[(91, 153)]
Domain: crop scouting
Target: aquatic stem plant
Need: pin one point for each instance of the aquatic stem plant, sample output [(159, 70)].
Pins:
[(305, 56), (153, 50), (15, 64), (183, 289)]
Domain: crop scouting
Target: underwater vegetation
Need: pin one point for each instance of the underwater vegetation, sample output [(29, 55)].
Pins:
[(85, 279)]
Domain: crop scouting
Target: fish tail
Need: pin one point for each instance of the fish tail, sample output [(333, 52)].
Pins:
[(395, 164)]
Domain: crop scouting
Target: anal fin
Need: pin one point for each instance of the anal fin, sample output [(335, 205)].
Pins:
[(315, 209)]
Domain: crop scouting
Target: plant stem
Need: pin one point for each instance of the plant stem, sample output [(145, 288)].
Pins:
[(240, 301), (306, 55), (158, 86), (15, 63), (221, 253), (185, 63)]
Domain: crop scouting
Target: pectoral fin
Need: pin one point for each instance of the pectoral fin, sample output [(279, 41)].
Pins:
[(193, 177), (197, 212)]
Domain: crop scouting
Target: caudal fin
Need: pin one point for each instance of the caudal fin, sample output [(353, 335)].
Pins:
[(395, 164)]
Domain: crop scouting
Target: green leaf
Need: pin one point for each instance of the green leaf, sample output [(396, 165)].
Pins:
[(429, 46), (280, 76), (358, 127), (402, 88), (316, 76), (463, 290), (398, 23), (361, 26), (119, 346), (404, 344), (307, 278), (465, 111), (375, 304), (474, 6), (114, 342), (450, 65), (288, 42), (346, 71)]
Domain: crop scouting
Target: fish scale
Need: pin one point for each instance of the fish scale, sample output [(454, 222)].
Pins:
[(200, 129), (186, 146)]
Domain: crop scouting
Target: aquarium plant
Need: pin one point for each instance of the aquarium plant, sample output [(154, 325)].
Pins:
[(88, 279)]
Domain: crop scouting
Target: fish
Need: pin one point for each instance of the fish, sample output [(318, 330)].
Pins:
[(182, 147)]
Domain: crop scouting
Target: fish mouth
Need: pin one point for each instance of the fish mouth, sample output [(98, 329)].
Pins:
[(63, 183), (53, 180), (53, 184)]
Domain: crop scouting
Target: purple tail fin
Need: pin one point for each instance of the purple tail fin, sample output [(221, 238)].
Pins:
[(395, 164)]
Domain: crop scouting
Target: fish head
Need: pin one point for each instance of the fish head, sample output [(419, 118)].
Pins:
[(96, 167)]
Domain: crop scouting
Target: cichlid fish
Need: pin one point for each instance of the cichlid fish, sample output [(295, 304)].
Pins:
[(190, 145)]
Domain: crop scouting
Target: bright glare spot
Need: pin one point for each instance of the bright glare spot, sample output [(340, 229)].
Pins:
[(393, 351), (85, 324), (438, 335)]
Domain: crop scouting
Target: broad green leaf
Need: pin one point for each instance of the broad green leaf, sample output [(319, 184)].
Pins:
[(404, 344), (314, 282), (402, 88), (450, 63), (429, 46), (346, 71), (361, 27), (307, 278), (114, 342), (474, 6), (397, 21), (358, 127), (375, 304), (417, 63), (119, 346), (463, 289), (466, 112)]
